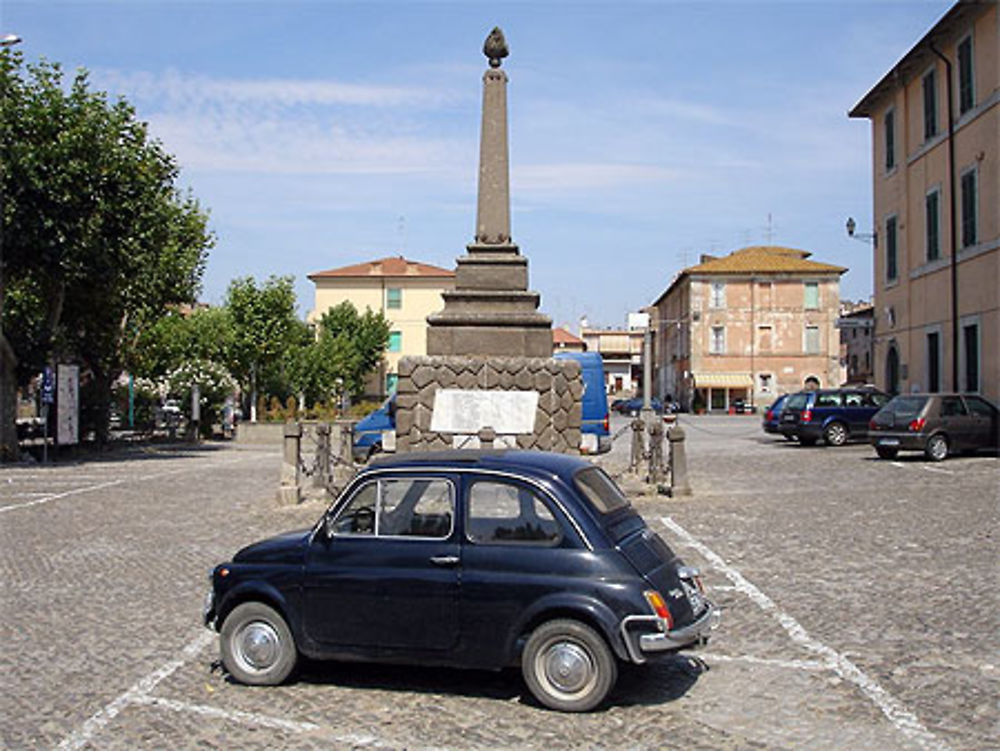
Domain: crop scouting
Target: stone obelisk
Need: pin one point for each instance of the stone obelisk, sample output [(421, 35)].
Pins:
[(491, 311)]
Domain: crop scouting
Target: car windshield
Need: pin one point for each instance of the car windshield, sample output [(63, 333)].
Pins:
[(600, 490), (906, 406), (796, 401)]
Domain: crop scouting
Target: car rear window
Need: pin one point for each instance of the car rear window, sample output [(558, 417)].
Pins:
[(796, 401), (600, 490), (906, 406)]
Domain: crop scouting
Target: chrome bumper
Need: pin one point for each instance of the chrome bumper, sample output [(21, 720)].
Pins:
[(641, 644)]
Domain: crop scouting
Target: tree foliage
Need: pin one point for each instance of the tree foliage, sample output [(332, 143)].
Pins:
[(97, 240)]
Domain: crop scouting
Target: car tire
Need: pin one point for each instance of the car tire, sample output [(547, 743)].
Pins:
[(835, 434), (810, 441), (886, 452), (568, 666), (257, 646), (937, 448)]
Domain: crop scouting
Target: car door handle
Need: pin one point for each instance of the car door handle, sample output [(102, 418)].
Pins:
[(444, 560)]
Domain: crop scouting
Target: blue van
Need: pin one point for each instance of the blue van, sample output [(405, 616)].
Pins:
[(596, 437), (368, 431)]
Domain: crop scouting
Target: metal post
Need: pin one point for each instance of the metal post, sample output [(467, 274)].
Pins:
[(195, 412)]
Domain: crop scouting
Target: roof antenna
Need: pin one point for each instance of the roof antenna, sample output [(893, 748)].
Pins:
[(769, 232)]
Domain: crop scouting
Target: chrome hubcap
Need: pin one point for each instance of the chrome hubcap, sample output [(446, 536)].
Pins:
[(568, 667), (938, 448), (257, 646), (837, 434)]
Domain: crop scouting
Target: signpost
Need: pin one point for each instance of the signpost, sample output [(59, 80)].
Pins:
[(48, 397)]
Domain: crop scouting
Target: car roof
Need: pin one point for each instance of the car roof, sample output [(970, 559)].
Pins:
[(527, 462)]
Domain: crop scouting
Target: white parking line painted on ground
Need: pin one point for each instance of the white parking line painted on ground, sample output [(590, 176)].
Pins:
[(901, 718), (85, 733), (939, 470), (242, 718), (766, 662)]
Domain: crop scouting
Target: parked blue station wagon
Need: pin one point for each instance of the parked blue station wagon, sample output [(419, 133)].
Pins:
[(479, 559)]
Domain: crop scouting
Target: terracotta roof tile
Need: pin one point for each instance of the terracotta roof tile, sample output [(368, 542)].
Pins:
[(562, 336), (764, 259), (391, 266)]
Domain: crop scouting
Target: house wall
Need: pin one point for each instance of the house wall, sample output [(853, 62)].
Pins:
[(918, 301)]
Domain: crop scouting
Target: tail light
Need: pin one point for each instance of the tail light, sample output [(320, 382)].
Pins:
[(917, 425), (659, 606), (607, 423), (807, 415), (769, 416), (872, 425)]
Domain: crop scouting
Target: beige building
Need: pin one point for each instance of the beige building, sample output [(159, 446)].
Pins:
[(621, 351), (751, 325), (856, 354), (935, 133), (405, 291)]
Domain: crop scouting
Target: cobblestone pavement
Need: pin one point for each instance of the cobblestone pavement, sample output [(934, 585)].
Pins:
[(860, 599)]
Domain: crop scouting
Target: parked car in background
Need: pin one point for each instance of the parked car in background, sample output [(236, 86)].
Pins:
[(595, 423), (743, 407), (369, 429), (772, 416), (477, 559), (833, 415), (937, 424), (632, 407)]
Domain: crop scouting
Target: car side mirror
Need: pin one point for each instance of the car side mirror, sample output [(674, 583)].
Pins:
[(328, 528)]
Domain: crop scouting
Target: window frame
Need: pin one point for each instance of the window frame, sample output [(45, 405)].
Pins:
[(971, 322), (969, 217), (717, 294), (892, 248), (805, 339), (393, 298), (932, 234), (928, 87), (713, 348), (966, 72), (807, 286), (889, 138), (395, 341), (932, 359), (378, 483)]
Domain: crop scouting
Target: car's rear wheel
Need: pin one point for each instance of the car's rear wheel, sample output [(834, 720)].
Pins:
[(886, 452), (568, 666), (937, 448), (835, 434), (256, 645)]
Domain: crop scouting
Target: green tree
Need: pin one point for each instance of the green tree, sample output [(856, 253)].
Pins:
[(97, 240), (176, 338), (264, 327)]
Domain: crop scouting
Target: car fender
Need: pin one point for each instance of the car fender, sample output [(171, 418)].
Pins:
[(255, 590), (581, 607)]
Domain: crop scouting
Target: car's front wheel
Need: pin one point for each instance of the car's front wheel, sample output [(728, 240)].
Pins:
[(568, 666), (886, 452), (257, 645), (835, 434), (937, 448)]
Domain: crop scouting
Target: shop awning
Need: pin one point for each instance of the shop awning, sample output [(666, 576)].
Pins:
[(723, 380)]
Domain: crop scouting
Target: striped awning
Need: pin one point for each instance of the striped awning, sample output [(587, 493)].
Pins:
[(723, 380)]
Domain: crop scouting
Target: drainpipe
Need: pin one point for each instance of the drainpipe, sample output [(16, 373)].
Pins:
[(952, 225)]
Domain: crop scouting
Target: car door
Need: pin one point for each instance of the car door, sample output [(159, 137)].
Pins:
[(956, 422), (384, 570), (984, 422)]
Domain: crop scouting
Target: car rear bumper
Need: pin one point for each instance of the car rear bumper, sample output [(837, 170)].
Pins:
[(645, 643), (902, 441)]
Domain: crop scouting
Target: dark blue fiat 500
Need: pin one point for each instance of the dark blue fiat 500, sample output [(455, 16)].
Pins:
[(469, 559)]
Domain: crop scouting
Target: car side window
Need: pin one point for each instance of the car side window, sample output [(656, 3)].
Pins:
[(951, 406), (404, 507), (876, 400), (504, 513), (980, 407), (828, 400), (853, 400)]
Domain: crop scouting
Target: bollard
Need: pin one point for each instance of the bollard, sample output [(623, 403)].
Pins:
[(638, 446), (678, 462), (322, 474), (290, 490), (487, 436), (656, 468), (342, 440)]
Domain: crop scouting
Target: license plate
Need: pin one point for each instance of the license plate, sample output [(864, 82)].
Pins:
[(788, 418), (888, 441)]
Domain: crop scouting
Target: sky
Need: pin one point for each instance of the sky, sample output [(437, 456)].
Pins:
[(642, 134)]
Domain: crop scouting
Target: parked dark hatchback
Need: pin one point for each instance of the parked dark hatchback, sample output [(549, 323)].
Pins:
[(937, 424), (772, 416), (833, 415), (468, 559)]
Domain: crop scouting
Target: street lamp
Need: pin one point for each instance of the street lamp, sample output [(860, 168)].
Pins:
[(865, 237)]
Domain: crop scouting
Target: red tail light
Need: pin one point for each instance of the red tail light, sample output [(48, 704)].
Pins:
[(872, 425), (917, 425), (770, 415), (659, 606), (807, 415), (607, 423)]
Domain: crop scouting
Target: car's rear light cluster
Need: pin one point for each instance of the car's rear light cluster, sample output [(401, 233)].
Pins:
[(807, 415), (917, 425), (607, 422), (770, 415), (659, 606)]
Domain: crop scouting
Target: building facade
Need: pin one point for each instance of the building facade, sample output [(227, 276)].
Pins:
[(748, 326), (856, 323), (935, 120), (564, 340), (405, 291), (621, 351)]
